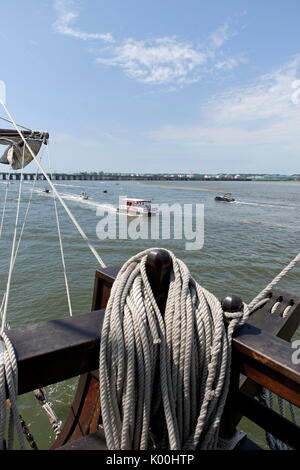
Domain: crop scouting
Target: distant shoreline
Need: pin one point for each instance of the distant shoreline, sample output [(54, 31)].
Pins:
[(102, 176)]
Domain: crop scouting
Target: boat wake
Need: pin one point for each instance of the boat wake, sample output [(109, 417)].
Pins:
[(262, 204), (68, 185), (88, 203)]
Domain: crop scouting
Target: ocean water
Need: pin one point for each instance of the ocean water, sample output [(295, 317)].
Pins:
[(246, 243)]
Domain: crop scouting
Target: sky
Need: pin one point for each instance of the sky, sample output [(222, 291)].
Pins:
[(157, 86)]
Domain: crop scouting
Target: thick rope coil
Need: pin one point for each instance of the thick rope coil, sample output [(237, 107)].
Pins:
[(9, 378), (190, 347)]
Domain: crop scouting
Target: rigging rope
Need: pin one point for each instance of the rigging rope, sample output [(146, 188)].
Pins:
[(20, 235), (4, 204), (279, 277), (61, 244), (8, 363), (54, 421), (47, 406), (80, 230), (189, 348), (12, 256)]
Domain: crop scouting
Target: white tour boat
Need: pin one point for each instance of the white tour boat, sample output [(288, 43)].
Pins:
[(137, 206)]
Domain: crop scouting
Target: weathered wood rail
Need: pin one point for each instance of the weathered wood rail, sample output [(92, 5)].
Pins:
[(56, 350)]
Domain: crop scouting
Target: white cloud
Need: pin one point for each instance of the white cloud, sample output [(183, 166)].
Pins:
[(230, 63), (220, 36), (270, 96), (169, 61), (66, 15), (262, 113), (157, 61)]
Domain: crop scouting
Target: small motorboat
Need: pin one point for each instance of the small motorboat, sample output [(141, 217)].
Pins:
[(46, 190), (84, 196), (226, 198), (105, 191)]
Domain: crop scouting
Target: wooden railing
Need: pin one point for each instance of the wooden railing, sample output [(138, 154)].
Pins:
[(56, 350)]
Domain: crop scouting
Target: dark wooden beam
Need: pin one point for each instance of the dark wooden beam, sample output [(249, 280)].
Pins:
[(49, 352), (104, 279), (53, 351), (267, 360)]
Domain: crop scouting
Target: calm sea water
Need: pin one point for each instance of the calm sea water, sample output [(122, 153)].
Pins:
[(246, 244)]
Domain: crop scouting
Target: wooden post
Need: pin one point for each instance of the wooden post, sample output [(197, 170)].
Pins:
[(158, 267)]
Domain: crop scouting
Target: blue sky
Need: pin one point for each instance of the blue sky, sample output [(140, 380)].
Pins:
[(157, 86)]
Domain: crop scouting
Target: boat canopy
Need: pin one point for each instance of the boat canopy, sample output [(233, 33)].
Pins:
[(16, 154), (136, 200)]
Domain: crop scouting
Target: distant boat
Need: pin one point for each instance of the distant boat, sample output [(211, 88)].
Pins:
[(84, 196), (137, 207), (226, 198), (46, 190), (105, 191)]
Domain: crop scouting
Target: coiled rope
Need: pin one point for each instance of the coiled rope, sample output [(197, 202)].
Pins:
[(189, 347), (9, 376)]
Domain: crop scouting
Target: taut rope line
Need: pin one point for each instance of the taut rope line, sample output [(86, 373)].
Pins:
[(82, 233), (4, 204), (61, 244), (12, 256), (8, 363), (266, 290)]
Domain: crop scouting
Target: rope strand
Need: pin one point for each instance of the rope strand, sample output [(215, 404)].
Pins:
[(80, 230)]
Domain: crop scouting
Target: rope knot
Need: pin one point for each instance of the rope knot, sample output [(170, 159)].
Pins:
[(233, 315), (241, 315)]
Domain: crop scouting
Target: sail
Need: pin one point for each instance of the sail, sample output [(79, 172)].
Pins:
[(17, 154)]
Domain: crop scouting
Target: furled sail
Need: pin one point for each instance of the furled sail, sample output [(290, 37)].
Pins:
[(17, 155)]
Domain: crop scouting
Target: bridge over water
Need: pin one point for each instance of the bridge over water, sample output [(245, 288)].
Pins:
[(107, 177)]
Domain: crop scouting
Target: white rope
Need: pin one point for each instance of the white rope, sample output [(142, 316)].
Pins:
[(275, 281), (189, 349), (84, 236), (60, 243), (9, 379), (19, 240), (12, 256), (8, 363), (4, 204)]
